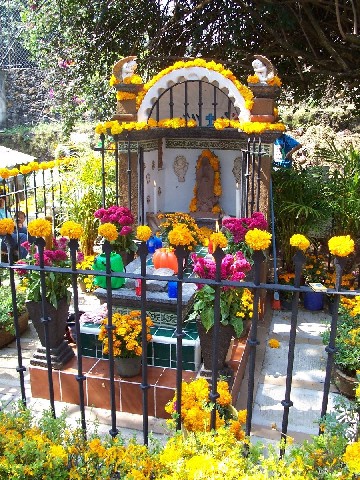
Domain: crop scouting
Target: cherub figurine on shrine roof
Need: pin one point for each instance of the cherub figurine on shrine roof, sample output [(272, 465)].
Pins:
[(125, 68), (263, 69)]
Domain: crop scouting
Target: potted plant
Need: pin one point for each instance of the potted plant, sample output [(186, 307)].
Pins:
[(315, 272), (347, 356), (57, 285), (127, 338), (7, 329), (235, 303), (123, 220)]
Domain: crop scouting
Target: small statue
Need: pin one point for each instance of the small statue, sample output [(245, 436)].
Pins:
[(180, 167), (125, 68), (263, 69)]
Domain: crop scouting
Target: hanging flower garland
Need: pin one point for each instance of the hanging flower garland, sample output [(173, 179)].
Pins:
[(248, 127), (113, 127), (245, 92), (215, 164), (33, 167)]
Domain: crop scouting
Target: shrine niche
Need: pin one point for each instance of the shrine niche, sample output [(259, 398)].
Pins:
[(197, 111), (207, 189)]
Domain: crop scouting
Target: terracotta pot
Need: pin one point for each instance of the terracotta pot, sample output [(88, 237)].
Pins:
[(128, 367), (344, 383), (226, 333), (7, 337)]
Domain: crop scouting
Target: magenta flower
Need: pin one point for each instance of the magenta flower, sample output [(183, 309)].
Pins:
[(20, 271), (125, 230)]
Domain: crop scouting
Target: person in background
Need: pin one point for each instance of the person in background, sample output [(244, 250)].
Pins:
[(284, 147), (20, 234)]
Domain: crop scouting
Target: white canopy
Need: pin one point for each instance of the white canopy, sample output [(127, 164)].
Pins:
[(10, 158)]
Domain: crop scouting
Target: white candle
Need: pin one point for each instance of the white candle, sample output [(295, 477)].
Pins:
[(155, 198), (216, 226), (237, 201)]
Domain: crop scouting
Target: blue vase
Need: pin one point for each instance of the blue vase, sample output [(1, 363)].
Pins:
[(313, 301)]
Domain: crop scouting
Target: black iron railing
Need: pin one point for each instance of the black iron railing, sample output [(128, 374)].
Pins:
[(257, 286)]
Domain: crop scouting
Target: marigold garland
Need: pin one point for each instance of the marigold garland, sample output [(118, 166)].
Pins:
[(143, 233), (125, 96), (6, 226), (341, 246), (245, 92), (248, 127), (30, 167), (114, 127), (71, 229), (300, 241), (258, 239), (40, 227), (108, 231)]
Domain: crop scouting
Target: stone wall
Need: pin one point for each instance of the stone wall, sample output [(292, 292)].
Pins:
[(27, 99)]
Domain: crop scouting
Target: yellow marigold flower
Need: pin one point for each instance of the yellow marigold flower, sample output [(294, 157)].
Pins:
[(273, 343), (274, 82), (341, 246), (40, 227), (25, 169), (108, 231), (299, 241), (181, 235), (71, 229), (218, 239), (6, 226), (258, 239), (352, 457), (253, 79), (4, 173), (125, 96), (143, 233)]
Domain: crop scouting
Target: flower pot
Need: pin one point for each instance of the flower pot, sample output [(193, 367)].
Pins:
[(128, 367), (127, 257), (226, 333), (313, 301), (60, 351), (344, 383), (7, 337)]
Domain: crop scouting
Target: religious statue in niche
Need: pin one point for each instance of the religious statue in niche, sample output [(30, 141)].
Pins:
[(207, 190), (263, 69), (180, 167)]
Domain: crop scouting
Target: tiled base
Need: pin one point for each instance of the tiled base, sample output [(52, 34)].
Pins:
[(128, 392), (161, 350)]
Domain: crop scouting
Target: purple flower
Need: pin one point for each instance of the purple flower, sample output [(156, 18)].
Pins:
[(80, 257)]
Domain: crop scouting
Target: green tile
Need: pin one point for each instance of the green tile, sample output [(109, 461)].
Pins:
[(162, 350), (159, 362), (188, 354), (165, 332)]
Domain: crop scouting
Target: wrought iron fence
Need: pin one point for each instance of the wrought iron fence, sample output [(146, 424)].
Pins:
[(256, 286)]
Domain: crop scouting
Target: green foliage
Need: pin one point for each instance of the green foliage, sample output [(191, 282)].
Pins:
[(230, 306), (344, 194), (84, 197), (300, 204), (6, 307)]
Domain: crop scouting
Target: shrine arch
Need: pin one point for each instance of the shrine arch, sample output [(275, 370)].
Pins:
[(193, 79)]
